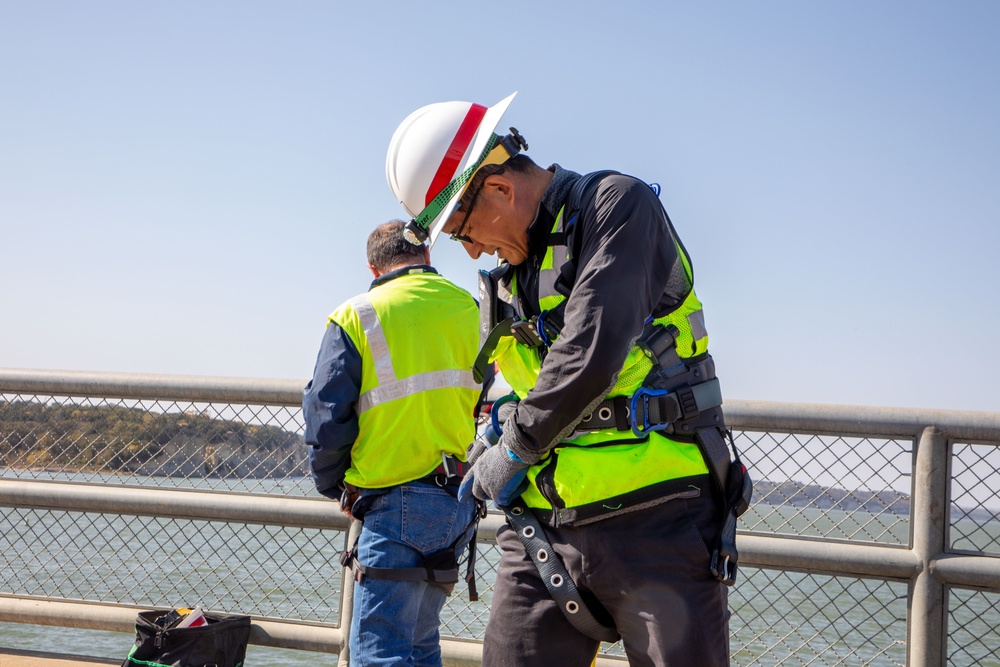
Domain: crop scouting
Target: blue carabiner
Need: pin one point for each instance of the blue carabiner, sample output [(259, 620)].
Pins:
[(540, 328), (645, 394), (494, 420)]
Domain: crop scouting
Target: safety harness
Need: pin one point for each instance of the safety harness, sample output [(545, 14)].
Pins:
[(441, 567), (681, 398)]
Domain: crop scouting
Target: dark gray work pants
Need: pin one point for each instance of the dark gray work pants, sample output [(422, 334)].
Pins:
[(650, 571)]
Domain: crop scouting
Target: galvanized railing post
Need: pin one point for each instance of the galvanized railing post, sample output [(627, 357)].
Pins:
[(928, 517), (347, 600)]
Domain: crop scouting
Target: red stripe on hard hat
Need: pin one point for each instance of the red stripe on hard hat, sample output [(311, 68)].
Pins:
[(460, 144)]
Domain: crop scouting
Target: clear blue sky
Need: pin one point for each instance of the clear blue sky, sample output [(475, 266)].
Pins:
[(186, 187)]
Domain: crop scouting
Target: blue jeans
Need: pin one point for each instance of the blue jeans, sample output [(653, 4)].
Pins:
[(396, 622)]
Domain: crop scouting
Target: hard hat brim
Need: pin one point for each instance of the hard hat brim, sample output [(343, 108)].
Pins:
[(484, 133)]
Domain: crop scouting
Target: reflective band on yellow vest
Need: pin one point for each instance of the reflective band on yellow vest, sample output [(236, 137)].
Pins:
[(555, 257), (389, 387), (418, 389)]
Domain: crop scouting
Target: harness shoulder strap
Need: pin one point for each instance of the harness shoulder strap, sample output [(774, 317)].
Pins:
[(571, 240), (574, 202)]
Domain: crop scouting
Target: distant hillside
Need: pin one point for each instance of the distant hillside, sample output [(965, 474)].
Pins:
[(797, 494), (114, 438)]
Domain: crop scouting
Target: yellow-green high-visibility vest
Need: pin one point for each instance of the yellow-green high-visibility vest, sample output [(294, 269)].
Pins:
[(418, 337), (578, 474)]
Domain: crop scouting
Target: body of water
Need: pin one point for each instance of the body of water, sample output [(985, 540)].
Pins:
[(293, 573)]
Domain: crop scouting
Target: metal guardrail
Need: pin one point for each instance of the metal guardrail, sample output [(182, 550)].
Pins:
[(870, 525)]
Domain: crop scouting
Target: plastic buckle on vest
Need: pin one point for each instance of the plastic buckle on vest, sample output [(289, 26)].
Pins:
[(643, 394)]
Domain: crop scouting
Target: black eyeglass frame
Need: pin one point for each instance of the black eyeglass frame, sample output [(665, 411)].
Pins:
[(457, 235)]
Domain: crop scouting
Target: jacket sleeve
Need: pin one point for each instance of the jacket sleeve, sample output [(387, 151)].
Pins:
[(626, 253), (328, 410)]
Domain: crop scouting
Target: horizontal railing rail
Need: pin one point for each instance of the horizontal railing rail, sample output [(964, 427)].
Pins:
[(857, 501)]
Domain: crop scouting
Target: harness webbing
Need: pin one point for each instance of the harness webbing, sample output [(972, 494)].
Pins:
[(664, 409), (555, 575), (440, 567)]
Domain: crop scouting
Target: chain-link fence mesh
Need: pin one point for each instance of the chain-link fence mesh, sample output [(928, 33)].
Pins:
[(973, 628), (221, 447), (266, 571), (975, 493), (848, 489), (832, 487), (792, 618)]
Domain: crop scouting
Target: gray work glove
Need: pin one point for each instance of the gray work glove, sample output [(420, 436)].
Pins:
[(496, 473)]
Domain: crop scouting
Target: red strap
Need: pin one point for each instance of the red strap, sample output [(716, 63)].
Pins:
[(460, 144)]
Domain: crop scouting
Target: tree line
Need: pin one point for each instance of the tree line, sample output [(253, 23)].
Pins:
[(114, 437)]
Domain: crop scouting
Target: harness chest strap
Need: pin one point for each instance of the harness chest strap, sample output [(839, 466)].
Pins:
[(524, 331)]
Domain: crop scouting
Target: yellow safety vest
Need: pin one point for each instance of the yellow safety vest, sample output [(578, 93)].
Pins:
[(577, 474), (418, 337)]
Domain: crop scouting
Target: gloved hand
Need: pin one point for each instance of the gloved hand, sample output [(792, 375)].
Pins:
[(487, 438), (496, 473)]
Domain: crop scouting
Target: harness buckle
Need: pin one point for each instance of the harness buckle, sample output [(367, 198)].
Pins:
[(641, 425), (449, 466), (526, 333), (723, 567)]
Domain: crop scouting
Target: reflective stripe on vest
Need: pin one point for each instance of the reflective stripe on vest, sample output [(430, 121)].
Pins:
[(389, 387), (555, 258)]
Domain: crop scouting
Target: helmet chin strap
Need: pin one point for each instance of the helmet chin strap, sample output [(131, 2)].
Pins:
[(512, 144)]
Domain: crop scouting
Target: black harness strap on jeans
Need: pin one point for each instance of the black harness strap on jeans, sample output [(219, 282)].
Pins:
[(440, 567)]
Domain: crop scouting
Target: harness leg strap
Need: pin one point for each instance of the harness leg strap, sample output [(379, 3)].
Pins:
[(716, 452), (725, 557), (554, 574), (439, 568), (735, 490)]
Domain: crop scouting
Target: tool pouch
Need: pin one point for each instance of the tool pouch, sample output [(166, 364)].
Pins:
[(222, 642)]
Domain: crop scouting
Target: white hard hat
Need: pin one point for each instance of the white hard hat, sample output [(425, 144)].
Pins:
[(435, 152)]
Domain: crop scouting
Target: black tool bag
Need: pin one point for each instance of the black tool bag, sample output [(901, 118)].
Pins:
[(220, 643)]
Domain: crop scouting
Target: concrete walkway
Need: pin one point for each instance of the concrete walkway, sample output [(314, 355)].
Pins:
[(15, 658)]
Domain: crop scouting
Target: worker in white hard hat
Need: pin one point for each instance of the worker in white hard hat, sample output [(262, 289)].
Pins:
[(613, 465)]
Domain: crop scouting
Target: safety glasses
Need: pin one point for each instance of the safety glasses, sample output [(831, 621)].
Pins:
[(458, 235)]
